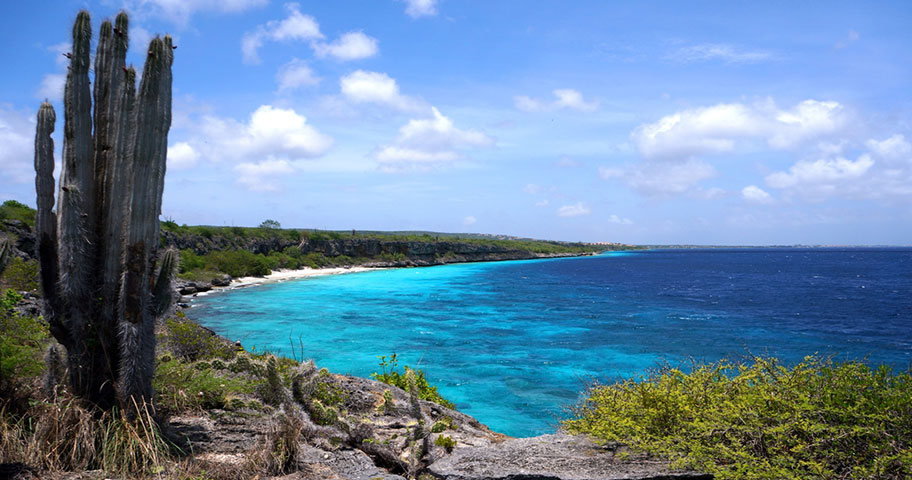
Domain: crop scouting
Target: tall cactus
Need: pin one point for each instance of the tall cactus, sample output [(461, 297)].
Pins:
[(98, 253)]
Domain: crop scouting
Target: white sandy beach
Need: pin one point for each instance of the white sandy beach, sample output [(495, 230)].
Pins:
[(284, 275)]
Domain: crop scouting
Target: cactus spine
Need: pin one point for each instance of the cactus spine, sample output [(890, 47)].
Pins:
[(98, 252)]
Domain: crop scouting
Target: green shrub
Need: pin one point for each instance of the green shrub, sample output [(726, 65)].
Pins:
[(13, 210), (181, 386), (445, 423), (391, 376), (21, 275), (446, 442), (818, 419), (22, 342), (188, 340), (189, 260)]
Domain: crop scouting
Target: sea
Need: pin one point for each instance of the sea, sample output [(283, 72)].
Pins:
[(516, 343)]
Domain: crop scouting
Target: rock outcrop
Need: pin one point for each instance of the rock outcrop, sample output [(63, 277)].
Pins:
[(554, 457)]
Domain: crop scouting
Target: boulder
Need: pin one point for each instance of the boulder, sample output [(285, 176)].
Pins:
[(554, 457)]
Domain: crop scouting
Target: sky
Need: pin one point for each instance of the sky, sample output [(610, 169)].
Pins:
[(726, 123)]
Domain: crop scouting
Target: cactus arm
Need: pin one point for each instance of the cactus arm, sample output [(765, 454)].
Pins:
[(75, 203), (46, 222), (6, 247), (162, 293)]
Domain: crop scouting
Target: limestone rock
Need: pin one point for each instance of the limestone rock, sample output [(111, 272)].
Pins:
[(554, 457)]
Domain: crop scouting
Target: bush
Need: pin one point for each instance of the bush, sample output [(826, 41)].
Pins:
[(181, 387), (189, 341), (391, 376), (21, 275), (22, 342), (13, 210), (189, 260), (818, 419)]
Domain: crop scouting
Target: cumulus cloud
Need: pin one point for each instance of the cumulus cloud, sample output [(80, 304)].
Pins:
[(532, 188), (295, 74), (705, 52), (662, 179), (755, 194), (377, 88), (180, 11), (262, 176), (883, 170), (350, 46), (576, 210), (468, 221), (719, 128), (270, 143), (296, 26), (428, 142), (17, 134), (182, 155), (564, 98), (420, 8)]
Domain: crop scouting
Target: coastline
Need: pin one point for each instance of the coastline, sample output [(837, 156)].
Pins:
[(283, 275)]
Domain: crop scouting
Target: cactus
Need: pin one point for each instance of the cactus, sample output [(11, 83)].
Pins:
[(6, 248), (97, 253)]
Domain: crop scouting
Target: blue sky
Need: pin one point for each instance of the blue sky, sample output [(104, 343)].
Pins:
[(640, 122)]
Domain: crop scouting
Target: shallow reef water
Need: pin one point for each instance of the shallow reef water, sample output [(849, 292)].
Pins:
[(514, 343)]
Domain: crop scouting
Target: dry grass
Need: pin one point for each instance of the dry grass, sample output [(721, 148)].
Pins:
[(64, 435)]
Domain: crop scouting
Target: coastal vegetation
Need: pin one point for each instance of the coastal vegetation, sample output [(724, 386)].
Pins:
[(761, 419)]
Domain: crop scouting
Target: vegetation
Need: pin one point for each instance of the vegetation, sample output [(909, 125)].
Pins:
[(13, 210), (390, 375), (759, 420)]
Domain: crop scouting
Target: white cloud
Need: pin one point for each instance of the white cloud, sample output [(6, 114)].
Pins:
[(295, 74), (720, 128), (296, 26), (619, 221), (378, 88), (140, 37), (351, 46), (849, 39), (261, 176), (51, 87), (883, 171), (270, 144), (755, 194), (565, 98), (17, 136), (420, 8), (670, 179), (895, 148), (716, 51), (542, 203), (823, 174), (470, 220), (428, 142), (576, 210), (182, 155), (180, 11)]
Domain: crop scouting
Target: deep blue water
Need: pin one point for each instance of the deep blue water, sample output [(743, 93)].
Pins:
[(511, 343)]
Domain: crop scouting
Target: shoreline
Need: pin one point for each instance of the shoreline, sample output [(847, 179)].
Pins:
[(283, 275)]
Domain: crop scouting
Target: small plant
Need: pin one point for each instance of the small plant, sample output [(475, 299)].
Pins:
[(391, 376), (272, 391), (188, 340), (446, 442), (445, 423)]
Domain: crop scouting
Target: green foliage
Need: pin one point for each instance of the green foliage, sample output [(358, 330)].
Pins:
[(189, 260), (182, 386), (270, 224), (13, 210), (391, 376), (22, 342), (445, 423), (446, 442), (189, 341), (818, 419), (21, 275)]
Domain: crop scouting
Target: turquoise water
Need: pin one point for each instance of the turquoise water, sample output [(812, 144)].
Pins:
[(512, 343)]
